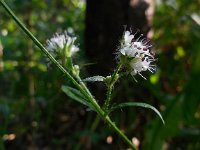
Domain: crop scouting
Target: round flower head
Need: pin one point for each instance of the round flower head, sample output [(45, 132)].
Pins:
[(62, 44), (135, 54)]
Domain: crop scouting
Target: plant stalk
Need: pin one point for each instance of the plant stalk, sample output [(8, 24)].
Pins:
[(110, 86)]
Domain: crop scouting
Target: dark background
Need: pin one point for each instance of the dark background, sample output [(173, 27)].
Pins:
[(36, 115)]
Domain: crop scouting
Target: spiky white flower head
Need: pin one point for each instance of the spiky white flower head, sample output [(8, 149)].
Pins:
[(136, 54), (62, 44)]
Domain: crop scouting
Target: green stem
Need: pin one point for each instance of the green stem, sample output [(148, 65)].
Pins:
[(116, 71), (83, 89), (95, 123), (108, 99), (110, 87), (112, 124)]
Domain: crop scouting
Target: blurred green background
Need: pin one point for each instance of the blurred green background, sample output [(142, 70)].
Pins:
[(36, 115)]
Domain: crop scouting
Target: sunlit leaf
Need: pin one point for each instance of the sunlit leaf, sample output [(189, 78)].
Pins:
[(95, 79), (138, 104)]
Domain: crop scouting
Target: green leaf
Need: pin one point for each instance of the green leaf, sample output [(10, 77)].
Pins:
[(138, 104), (95, 79), (74, 94)]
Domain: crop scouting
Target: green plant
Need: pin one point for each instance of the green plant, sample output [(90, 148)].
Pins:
[(130, 55)]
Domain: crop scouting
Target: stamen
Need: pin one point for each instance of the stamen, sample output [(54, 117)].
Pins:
[(139, 37), (147, 42), (143, 40), (149, 55), (150, 70), (136, 32), (151, 60), (141, 75), (152, 65)]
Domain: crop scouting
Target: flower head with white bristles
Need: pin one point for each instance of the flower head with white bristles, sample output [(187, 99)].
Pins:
[(62, 48), (62, 44), (135, 54)]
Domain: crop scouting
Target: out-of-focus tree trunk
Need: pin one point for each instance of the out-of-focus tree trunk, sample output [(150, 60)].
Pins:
[(105, 22)]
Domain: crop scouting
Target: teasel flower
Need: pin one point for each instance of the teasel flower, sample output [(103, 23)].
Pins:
[(62, 45), (135, 54)]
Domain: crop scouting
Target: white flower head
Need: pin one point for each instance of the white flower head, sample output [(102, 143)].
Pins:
[(62, 44), (136, 54)]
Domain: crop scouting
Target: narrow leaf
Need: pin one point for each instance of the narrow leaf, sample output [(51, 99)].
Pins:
[(95, 79), (138, 104), (74, 94)]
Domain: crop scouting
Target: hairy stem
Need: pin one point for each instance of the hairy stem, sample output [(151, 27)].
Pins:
[(110, 86)]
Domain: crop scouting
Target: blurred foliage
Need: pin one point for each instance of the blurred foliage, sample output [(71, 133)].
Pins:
[(34, 113), (176, 84), (30, 94)]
